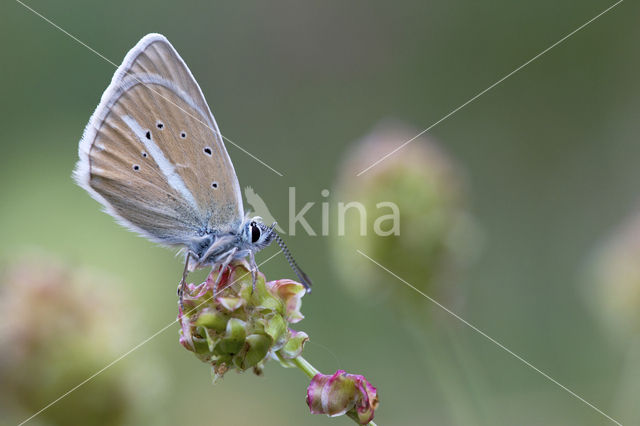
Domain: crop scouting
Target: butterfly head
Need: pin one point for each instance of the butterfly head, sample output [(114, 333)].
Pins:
[(257, 234)]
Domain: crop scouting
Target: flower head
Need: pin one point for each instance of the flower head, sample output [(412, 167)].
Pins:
[(427, 235), (614, 278), (232, 326), (342, 393), (60, 325)]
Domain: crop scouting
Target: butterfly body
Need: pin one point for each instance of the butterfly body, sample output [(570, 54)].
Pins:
[(218, 248)]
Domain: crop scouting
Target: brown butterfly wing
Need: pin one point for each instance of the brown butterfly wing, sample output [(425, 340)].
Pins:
[(152, 153)]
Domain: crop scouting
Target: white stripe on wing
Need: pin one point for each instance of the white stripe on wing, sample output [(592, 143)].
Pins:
[(166, 167)]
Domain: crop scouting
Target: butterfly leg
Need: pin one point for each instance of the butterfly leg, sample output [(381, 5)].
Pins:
[(223, 265), (254, 270), (183, 281)]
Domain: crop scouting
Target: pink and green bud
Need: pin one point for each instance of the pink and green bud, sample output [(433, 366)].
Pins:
[(342, 393), (231, 325)]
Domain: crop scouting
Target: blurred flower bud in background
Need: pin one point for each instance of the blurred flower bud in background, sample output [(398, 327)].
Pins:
[(232, 326), (434, 232), (613, 294), (614, 275), (60, 326)]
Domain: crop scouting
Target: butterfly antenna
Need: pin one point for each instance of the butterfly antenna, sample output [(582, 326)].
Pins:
[(304, 279)]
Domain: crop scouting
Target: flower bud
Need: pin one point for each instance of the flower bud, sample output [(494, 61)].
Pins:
[(614, 275), (414, 214), (60, 326), (342, 393), (231, 325)]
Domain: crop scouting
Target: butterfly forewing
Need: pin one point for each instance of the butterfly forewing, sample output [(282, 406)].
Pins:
[(152, 152)]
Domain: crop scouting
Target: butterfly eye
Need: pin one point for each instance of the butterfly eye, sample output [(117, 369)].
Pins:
[(255, 232)]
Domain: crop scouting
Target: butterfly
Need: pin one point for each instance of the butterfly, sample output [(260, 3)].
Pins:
[(153, 156)]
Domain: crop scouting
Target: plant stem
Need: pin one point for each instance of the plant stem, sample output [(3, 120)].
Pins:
[(304, 365), (311, 371)]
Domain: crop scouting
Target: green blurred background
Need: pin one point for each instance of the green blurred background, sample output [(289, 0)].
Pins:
[(550, 156)]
